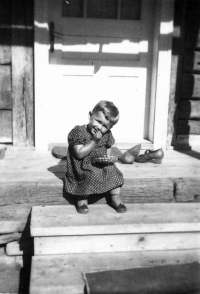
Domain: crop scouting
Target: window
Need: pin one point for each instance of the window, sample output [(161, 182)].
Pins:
[(102, 9)]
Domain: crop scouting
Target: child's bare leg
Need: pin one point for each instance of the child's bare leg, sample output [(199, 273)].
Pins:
[(82, 205), (116, 202)]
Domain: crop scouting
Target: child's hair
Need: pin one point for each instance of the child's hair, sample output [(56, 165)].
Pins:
[(110, 111)]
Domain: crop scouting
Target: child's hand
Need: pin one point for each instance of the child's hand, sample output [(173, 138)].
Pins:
[(97, 136)]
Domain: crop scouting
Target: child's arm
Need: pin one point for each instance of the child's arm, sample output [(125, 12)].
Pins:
[(80, 151)]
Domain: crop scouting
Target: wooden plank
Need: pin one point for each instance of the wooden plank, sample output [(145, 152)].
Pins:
[(176, 67), (115, 243), (187, 189), (192, 33), (23, 247), (9, 237), (5, 100), (190, 86), (187, 140), (5, 56), (10, 267), (51, 191), (5, 78), (189, 109), (191, 61), (9, 226), (188, 127), (5, 48), (22, 74), (68, 269), (6, 126), (159, 217)]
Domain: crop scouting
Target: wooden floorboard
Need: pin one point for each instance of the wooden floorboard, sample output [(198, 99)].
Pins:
[(68, 269), (29, 178)]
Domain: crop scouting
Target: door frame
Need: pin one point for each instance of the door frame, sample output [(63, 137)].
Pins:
[(161, 70)]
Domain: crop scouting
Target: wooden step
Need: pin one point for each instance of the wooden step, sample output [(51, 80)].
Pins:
[(63, 273), (61, 230)]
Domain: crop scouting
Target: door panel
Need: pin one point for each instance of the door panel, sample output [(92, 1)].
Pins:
[(97, 59)]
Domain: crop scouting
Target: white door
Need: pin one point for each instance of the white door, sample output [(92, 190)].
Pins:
[(100, 50)]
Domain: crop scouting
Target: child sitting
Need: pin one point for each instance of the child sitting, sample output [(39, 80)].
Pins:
[(84, 178)]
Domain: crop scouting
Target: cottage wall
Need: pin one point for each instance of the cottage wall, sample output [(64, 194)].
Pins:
[(16, 72), (184, 107)]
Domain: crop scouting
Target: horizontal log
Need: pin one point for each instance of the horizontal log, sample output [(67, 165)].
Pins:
[(188, 127), (192, 33), (190, 86), (5, 46), (6, 126), (134, 190), (187, 189), (9, 226), (15, 214), (19, 248), (9, 237), (189, 109), (5, 78), (186, 141), (5, 100), (191, 61)]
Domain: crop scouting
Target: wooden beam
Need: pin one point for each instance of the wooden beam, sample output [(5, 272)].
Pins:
[(147, 218), (186, 127), (22, 72), (6, 126), (189, 109), (6, 100), (115, 243), (190, 85)]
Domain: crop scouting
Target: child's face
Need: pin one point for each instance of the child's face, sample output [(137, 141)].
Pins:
[(97, 121)]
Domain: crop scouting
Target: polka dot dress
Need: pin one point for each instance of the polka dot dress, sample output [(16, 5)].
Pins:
[(84, 178)]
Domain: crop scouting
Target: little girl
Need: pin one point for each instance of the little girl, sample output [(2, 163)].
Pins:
[(84, 178)]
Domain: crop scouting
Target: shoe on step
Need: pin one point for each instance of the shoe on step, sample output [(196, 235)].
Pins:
[(82, 207), (117, 205), (154, 156)]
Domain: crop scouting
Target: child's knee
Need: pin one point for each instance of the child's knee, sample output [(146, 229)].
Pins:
[(115, 191)]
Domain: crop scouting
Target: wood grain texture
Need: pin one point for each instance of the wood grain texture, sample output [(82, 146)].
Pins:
[(5, 100), (189, 109), (115, 243), (9, 238), (68, 268), (22, 73), (190, 85), (191, 61), (102, 219), (6, 126), (186, 127), (5, 78)]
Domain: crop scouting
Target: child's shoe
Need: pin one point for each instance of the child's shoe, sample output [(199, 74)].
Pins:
[(116, 204), (82, 207)]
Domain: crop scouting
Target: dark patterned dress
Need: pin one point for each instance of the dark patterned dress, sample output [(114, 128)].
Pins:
[(84, 178)]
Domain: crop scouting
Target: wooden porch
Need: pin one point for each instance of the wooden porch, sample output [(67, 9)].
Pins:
[(29, 177), (35, 178)]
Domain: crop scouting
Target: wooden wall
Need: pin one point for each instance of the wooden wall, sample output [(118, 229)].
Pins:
[(16, 72), (184, 108)]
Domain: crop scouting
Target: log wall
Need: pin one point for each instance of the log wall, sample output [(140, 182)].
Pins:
[(16, 72), (184, 107)]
